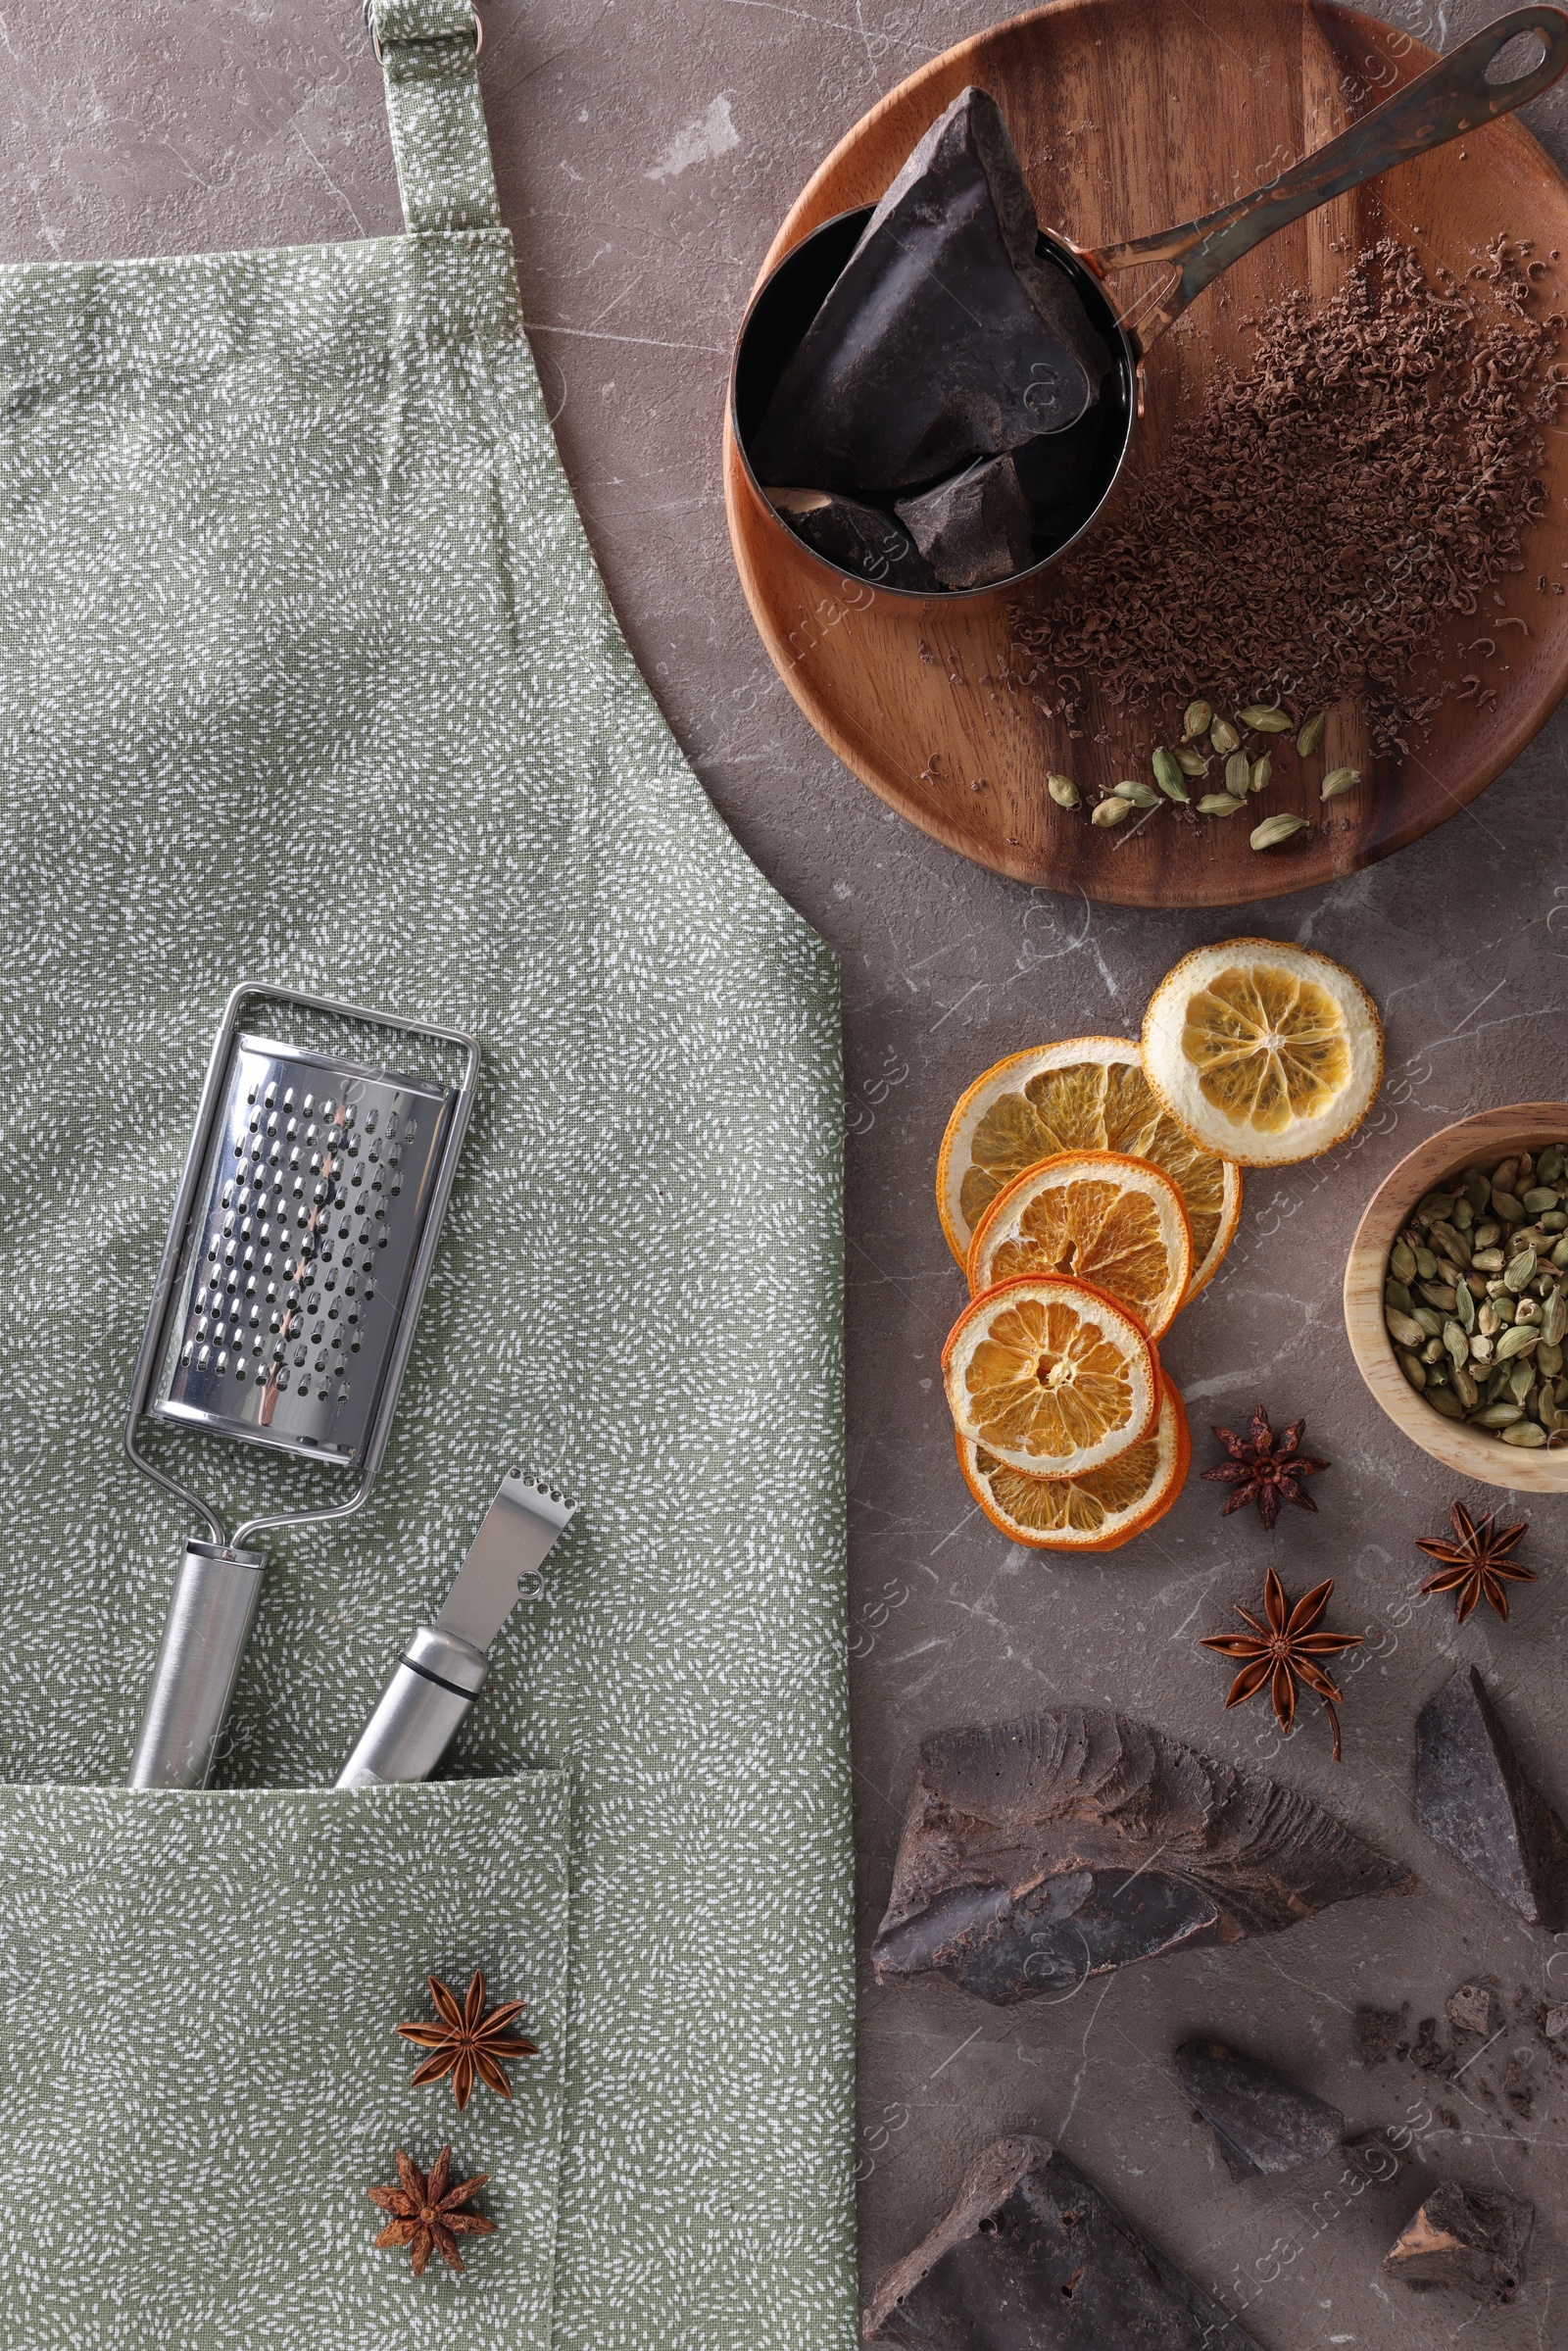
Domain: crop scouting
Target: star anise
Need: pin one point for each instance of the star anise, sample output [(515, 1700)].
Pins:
[(1282, 1651), (427, 2215), (1265, 1468), (466, 2043), (1476, 1565)]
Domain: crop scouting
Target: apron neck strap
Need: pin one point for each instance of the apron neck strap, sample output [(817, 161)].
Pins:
[(429, 52)]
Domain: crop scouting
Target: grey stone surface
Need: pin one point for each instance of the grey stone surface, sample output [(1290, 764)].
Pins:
[(645, 155)]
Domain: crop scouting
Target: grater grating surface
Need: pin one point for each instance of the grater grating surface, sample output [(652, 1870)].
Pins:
[(308, 1216)]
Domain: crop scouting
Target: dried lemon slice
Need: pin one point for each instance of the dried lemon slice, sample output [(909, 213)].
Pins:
[(1263, 1051), (1099, 1511), (1051, 1376), (1099, 1217), (1081, 1094)]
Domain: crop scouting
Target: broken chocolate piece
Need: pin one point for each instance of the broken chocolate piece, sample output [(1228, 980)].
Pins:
[(859, 539), (945, 337), (974, 529), (1031, 2255), (1471, 1794), (1040, 1851), (1473, 2008), (1475, 2238), (1263, 2123)]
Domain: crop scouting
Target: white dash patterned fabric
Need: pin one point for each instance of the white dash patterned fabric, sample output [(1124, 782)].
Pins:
[(214, 2078), (307, 677)]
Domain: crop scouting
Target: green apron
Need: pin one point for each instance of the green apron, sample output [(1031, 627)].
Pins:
[(310, 679)]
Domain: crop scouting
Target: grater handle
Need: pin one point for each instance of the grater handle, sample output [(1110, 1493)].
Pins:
[(205, 1632), (433, 1685)]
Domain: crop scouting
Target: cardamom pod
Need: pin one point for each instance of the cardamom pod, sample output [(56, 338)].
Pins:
[(1488, 1260), (1338, 780), (1110, 812), (1196, 722), (1262, 773), (1547, 1359), (1264, 720), (1550, 1165), (1168, 777), (1224, 737), (1063, 790), (1525, 1433), (1520, 1271), (1275, 829), (1508, 1209), (1403, 1328), (1454, 1339), (1401, 1257), (1464, 1306), (1190, 762), (1414, 1370), (1554, 1318), (1465, 1388), (1498, 1416), (1518, 1340), (1311, 734), (1219, 804), (1238, 774), (1443, 1400)]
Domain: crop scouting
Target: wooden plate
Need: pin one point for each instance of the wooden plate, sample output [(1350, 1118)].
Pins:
[(1491, 1136), (1130, 114)]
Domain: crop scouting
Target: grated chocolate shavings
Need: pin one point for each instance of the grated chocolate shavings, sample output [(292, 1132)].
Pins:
[(1366, 477)]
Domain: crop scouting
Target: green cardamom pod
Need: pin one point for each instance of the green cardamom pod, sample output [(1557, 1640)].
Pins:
[(1224, 737), (1264, 720), (1168, 777), (1196, 722), (1338, 780), (1275, 829), (1190, 762), (1517, 1340), (1262, 773), (1063, 790), (1139, 795), (1402, 1259), (1311, 734), (1403, 1328), (1110, 812), (1525, 1433), (1219, 804)]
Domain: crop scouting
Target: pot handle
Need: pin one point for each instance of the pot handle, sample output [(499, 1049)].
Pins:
[(1450, 98)]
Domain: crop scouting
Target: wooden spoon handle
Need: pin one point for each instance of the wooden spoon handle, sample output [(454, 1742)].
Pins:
[(1450, 98)]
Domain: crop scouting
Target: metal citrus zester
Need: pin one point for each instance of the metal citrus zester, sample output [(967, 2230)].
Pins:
[(283, 1313)]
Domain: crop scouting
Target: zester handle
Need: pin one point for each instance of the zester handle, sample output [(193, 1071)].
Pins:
[(435, 1683), (205, 1632)]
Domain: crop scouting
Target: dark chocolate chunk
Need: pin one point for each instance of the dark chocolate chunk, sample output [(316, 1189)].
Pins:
[(1471, 1794), (974, 529), (1032, 2255), (1038, 1852), (1473, 2008), (945, 337), (860, 539), (1475, 2238), (1263, 2123)]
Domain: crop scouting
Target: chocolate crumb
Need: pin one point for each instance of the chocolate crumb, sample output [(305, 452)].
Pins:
[(1368, 473), (1379, 2035)]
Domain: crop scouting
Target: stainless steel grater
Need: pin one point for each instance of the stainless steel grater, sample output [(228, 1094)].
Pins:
[(283, 1311)]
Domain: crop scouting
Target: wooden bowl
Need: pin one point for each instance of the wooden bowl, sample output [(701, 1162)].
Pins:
[(1491, 1135), (1129, 115)]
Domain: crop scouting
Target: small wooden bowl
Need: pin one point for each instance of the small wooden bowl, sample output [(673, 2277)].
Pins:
[(1491, 1135)]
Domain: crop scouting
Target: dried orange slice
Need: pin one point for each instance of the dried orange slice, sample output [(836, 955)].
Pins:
[(1099, 1511), (1051, 1376), (1264, 1050), (1099, 1217), (1082, 1093)]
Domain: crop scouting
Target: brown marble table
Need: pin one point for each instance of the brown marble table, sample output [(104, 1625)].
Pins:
[(645, 153)]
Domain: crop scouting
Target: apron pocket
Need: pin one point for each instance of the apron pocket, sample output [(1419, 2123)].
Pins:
[(201, 2076)]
